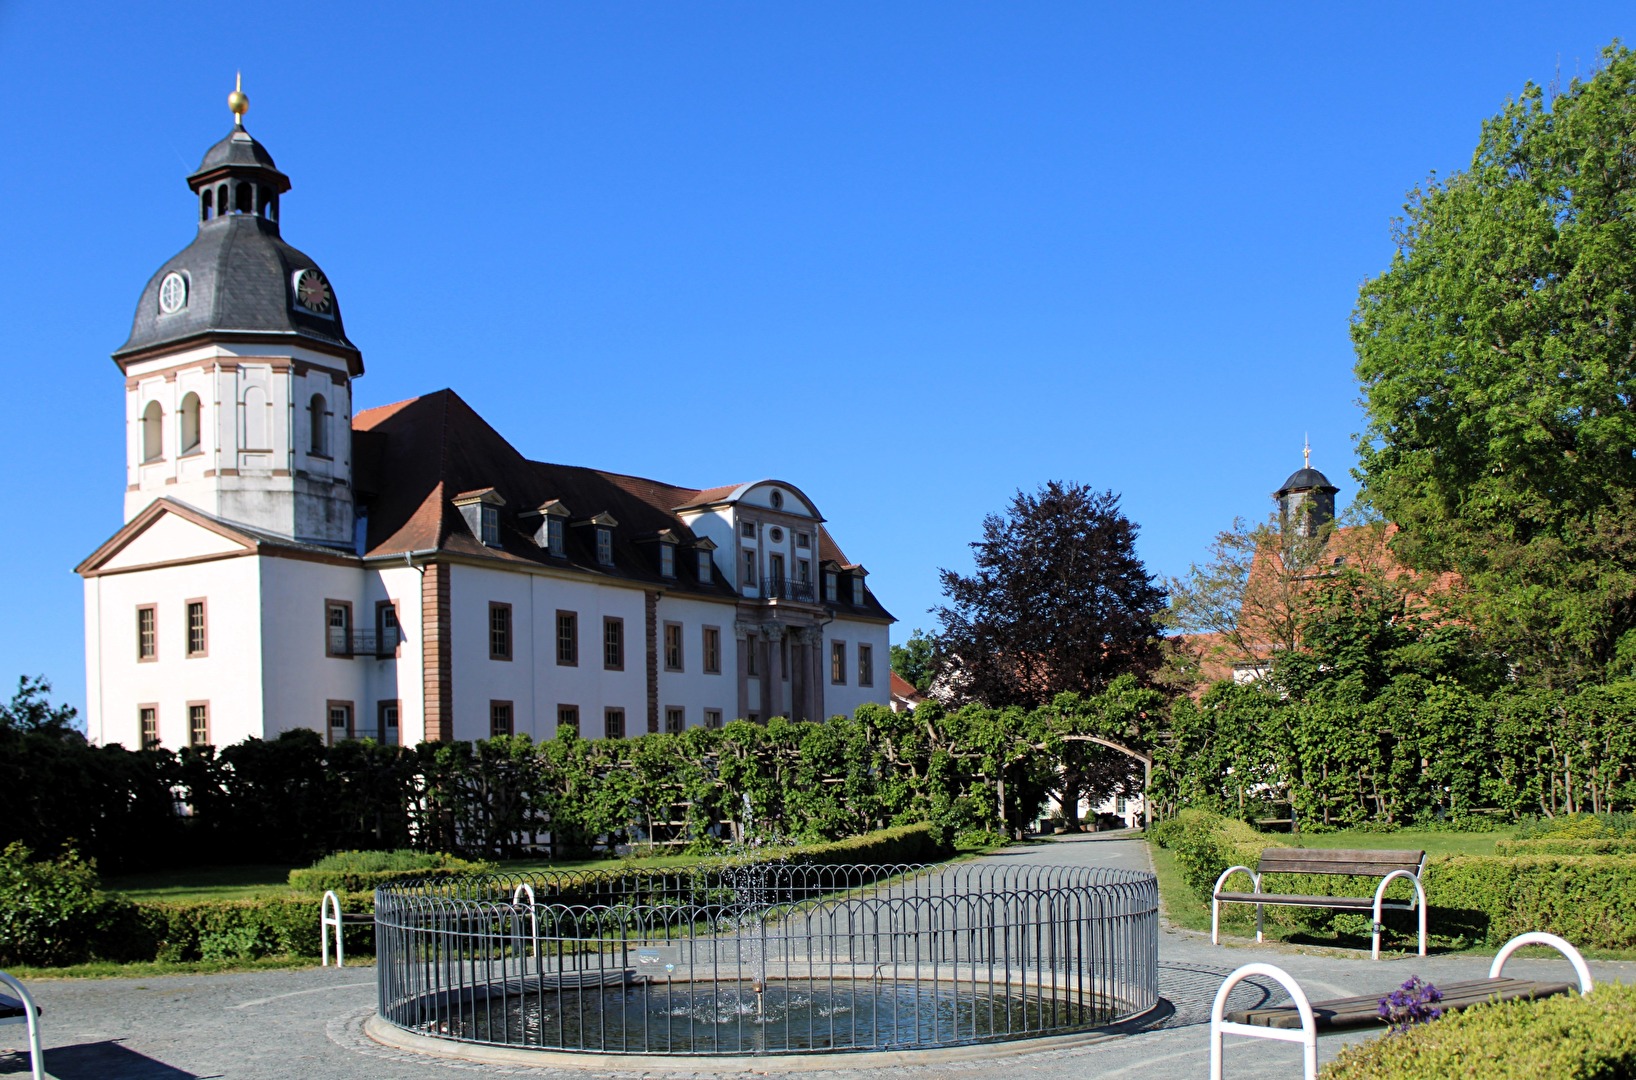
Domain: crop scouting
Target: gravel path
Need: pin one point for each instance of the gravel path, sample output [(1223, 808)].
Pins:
[(308, 1024)]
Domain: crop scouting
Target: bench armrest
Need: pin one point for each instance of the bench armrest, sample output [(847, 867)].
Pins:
[(1537, 938), (1230, 871)]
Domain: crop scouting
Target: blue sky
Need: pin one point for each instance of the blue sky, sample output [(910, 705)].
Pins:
[(910, 257)]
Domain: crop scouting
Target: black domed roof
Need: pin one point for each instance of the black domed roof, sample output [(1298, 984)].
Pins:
[(1306, 480), (240, 279), (237, 149)]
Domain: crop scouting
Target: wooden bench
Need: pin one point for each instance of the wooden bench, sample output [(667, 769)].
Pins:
[(22, 1010), (1386, 865), (1303, 1021)]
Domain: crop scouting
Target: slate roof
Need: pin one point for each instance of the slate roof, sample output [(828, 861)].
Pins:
[(236, 149), (411, 458), (1306, 480)]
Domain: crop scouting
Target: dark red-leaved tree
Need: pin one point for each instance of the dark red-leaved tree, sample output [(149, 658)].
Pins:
[(1059, 601)]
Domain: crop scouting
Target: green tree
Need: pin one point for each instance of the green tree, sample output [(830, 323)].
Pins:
[(30, 709), (1497, 357), (915, 660)]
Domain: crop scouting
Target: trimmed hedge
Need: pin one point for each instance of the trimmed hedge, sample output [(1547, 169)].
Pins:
[(1489, 899), (1564, 1038), (233, 929), (1549, 845), (1206, 844), (359, 871), (919, 843)]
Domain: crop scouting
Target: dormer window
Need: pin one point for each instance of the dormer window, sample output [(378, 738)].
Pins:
[(549, 534), (831, 581), (667, 560), (858, 593), (706, 565), (553, 536), (604, 545), (481, 510)]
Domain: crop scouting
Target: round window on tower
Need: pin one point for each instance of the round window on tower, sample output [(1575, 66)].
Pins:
[(172, 293), (776, 535)]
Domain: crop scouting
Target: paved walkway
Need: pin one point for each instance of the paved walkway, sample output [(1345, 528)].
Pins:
[(308, 1024)]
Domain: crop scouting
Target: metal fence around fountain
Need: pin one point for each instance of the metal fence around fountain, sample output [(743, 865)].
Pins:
[(767, 959)]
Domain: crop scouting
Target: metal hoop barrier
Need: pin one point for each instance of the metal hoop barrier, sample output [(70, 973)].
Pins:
[(331, 902), (1419, 904), (30, 1015), (1581, 969), (1307, 1036), (775, 959)]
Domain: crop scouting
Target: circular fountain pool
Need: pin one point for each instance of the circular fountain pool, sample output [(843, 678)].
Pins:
[(780, 959)]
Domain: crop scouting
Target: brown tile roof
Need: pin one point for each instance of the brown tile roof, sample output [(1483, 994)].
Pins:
[(903, 688), (412, 456)]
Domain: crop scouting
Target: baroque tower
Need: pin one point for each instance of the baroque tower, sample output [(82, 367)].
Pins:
[(238, 371), (1306, 502)]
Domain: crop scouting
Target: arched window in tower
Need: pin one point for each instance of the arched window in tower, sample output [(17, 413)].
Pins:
[(319, 410), (188, 440), (221, 200), (242, 199), (207, 205), (153, 432), (258, 426)]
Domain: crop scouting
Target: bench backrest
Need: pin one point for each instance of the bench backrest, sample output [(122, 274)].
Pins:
[(1281, 860)]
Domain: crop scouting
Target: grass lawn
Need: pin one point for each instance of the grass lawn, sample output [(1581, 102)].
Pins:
[(203, 883), (1437, 845)]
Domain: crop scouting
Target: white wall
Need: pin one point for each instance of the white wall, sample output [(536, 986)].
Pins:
[(301, 679), (844, 698), (229, 676), (691, 689)]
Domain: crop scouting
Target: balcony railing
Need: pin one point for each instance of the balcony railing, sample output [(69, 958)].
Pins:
[(364, 643), (776, 587)]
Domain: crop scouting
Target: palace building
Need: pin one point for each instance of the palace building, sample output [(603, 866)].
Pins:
[(403, 573)]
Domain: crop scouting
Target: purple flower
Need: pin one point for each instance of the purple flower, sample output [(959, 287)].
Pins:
[(1415, 1002)]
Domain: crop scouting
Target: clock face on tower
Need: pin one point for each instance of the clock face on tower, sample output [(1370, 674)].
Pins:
[(312, 292)]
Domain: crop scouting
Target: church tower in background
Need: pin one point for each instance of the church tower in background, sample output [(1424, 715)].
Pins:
[(1306, 502)]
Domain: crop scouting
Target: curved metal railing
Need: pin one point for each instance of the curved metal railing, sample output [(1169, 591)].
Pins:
[(736, 959)]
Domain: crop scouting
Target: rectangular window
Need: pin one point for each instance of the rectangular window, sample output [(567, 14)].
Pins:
[(613, 643), (803, 572), (337, 628), (340, 720), (198, 723), (712, 650), (712, 718), (604, 545), (667, 560), (149, 717), (613, 723), (752, 663), (803, 542), (386, 716), (147, 633), (195, 628), (747, 529), (499, 631), (673, 646), (706, 565), (553, 536), (837, 663), (749, 569), (388, 633), (567, 639), (858, 594), (829, 586), (499, 719), (675, 719), (866, 665), (568, 717), (491, 526)]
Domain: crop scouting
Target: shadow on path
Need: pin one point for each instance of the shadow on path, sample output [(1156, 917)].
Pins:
[(96, 1061)]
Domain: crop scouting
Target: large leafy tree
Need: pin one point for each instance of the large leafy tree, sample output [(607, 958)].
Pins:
[(1497, 357), (1059, 601)]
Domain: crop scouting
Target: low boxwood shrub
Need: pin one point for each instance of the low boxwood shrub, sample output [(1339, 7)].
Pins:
[(1206, 844), (228, 929), (1577, 826), (918, 843), (1551, 845), (1488, 899), (1564, 1038), (356, 871)]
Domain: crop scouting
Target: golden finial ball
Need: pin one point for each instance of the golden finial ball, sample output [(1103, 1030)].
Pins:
[(239, 102)]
